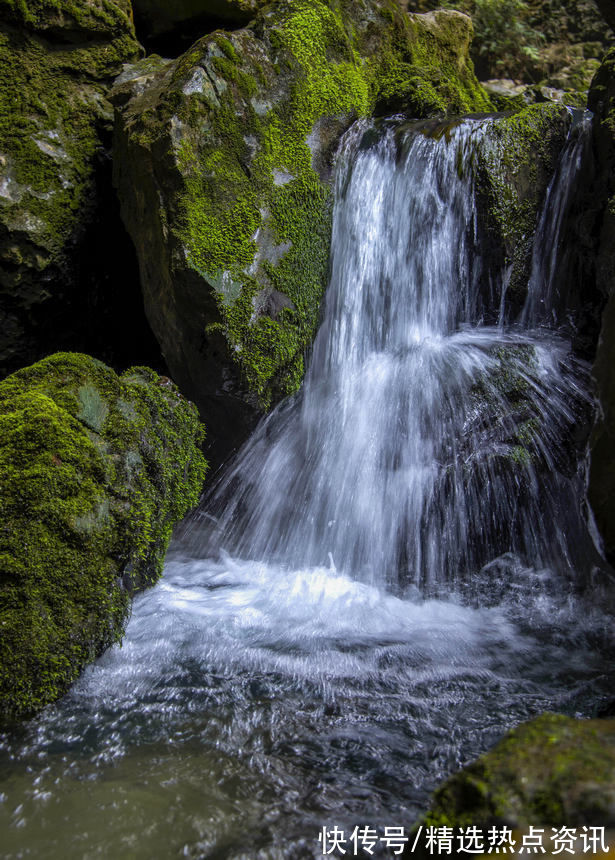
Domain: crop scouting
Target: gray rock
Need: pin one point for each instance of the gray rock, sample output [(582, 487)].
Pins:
[(223, 167)]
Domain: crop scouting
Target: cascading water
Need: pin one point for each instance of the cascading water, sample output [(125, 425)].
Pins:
[(403, 460), (381, 584)]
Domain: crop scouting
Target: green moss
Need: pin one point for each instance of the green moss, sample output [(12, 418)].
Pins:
[(254, 213), (522, 150), (105, 17), (95, 470), (552, 771), (421, 68), (48, 139), (507, 390), (57, 60), (518, 158)]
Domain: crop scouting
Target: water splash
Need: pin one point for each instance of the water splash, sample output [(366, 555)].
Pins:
[(423, 444)]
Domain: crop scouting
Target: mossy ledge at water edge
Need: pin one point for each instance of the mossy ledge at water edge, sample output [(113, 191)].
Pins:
[(553, 771), (223, 165), (95, 469)]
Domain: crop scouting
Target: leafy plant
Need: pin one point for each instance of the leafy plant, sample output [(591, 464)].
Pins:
[(505, 43)]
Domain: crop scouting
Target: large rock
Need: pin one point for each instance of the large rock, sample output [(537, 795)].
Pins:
[(553, 771), (555, 43), (57, 58), (95, 470), (516, 162), (602, 470), (223, 165)]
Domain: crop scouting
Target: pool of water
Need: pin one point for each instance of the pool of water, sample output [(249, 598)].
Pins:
[(251, 705)]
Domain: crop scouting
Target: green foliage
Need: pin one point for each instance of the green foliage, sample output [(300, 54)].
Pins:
[(95, 469), (505, 41)]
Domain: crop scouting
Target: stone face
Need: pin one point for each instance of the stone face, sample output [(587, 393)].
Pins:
[(553, 771), (57, 60), (602, 469), (517, 160), (223, 165), (95, 470)]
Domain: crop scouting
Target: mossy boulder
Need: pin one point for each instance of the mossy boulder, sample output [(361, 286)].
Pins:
[(553, 771), (57, 59), (504, 411), (512, 162), (516, 162), (548, 50), (95, 470), (223, 166)]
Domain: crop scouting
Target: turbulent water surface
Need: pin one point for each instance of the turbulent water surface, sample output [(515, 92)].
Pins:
[(388, 576)]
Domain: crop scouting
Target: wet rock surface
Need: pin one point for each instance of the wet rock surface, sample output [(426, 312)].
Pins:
[(223, 166), (95, 470)]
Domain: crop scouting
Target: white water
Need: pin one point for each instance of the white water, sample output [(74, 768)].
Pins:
[(378, 587), (400, 459)]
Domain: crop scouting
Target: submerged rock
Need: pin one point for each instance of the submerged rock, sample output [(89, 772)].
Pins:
[(223, 165), (553, 771), (57, 60), (95, 470)]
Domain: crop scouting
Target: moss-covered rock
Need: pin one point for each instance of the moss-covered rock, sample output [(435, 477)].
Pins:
[(517, 160), (553, 47), (503, 408), (553, 771), (223, 167), (57, 59), (95, 470), (512, 160)]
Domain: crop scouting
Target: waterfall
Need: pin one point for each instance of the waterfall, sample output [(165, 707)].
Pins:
[(424, 444), (382, 583)]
